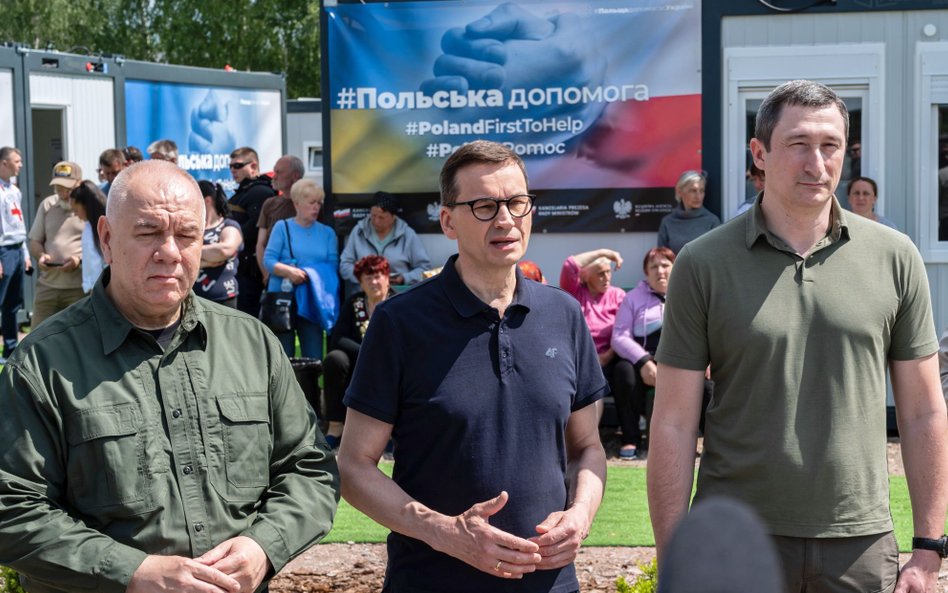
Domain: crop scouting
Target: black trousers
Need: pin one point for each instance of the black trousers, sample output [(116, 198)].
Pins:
[(629, 391), (634, 399), (337, 370)]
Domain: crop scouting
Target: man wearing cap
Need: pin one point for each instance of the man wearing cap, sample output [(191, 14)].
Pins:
[(56, 245), (383, 233), (156, 441), (14, 256)]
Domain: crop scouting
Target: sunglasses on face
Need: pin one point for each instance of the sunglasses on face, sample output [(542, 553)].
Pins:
[(235, 166)]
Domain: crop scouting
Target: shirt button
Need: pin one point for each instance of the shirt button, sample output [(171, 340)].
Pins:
[(187, 470), (176, 413), (199, 527)]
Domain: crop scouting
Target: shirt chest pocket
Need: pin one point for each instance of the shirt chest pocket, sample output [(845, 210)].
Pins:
[(107, 468), (246, 443)]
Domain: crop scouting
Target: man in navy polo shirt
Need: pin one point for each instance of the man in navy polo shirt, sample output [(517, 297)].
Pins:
[(488, 384)]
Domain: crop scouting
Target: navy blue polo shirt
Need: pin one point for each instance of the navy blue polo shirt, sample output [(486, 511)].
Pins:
[(478, 404)]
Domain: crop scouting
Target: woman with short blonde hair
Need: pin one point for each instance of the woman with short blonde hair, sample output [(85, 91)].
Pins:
[(690, 219)]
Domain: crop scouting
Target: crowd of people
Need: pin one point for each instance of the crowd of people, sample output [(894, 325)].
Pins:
[(265, 238), (173, 448)]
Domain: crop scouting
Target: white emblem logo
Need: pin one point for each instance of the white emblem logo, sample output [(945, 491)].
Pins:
[(434, 211), (551, 352), (622, 208)]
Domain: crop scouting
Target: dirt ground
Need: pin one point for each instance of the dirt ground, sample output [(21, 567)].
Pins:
[(359, 568)]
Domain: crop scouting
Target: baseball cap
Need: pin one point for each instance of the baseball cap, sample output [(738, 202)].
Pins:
[(66, 174)]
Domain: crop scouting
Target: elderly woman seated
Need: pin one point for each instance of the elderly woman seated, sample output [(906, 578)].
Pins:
[(383, 233), (635, 338), (588, 277), (346, 339)]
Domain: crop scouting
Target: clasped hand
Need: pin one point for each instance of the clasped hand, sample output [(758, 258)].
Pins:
[(237, 565), (474, 541)]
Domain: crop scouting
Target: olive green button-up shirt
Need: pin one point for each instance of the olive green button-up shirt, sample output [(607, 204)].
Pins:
[(115, 449)]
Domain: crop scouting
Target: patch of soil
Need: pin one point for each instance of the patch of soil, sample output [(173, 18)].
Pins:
[(360, 568)]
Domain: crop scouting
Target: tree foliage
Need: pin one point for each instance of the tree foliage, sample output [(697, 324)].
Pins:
[(256, 35)]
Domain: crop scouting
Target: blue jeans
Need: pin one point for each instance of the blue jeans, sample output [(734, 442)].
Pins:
[(311, 339), (11, 294)]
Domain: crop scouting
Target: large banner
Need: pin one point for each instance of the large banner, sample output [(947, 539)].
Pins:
[(207, 124), (601, 98)]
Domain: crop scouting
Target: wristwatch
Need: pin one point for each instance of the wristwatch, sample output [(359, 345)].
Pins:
[(939, 545)]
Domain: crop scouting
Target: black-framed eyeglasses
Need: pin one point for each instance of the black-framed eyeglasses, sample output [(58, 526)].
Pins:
[(487, 208), (235, 165)]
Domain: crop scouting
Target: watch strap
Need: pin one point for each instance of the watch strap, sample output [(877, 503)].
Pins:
[(939, 545)]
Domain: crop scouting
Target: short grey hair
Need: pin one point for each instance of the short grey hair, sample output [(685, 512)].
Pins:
[(599, 261), (165, 149), (166, 174), (803, 93), (689, 177), (296, 165)]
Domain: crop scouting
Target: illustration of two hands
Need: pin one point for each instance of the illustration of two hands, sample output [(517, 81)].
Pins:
[(209, 131), (511, 48)]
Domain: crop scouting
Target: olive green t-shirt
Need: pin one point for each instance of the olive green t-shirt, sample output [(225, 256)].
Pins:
[(798, 349)]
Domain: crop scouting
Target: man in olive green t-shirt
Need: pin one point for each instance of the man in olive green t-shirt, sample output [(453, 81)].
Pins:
[(156, 440), (799, 308)]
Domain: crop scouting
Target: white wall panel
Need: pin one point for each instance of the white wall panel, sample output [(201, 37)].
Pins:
[(90, 114), (7, 133)]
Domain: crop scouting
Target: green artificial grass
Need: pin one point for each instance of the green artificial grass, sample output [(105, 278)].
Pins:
[(622, 519)]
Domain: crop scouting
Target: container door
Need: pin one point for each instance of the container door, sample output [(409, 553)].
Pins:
[(48, 124), (87, 118)]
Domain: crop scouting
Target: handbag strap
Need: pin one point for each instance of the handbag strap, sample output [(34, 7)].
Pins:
[(289, 243)]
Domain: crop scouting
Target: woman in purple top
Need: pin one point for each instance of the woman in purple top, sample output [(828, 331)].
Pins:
[(635, 339)]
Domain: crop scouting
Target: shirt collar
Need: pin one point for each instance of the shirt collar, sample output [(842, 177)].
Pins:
[(467, 304), (115, 328), (756, 226)]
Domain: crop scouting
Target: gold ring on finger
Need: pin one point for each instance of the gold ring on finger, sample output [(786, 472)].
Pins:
[(497, 566)]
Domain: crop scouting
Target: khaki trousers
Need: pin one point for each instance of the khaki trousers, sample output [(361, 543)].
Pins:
[(863, 564)]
